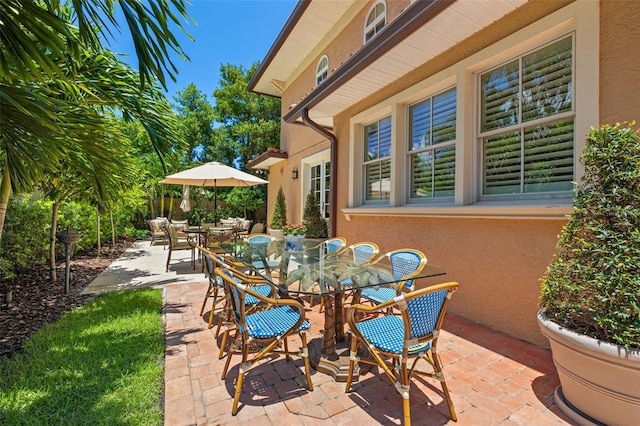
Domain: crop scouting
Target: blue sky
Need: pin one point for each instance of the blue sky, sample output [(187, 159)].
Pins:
[(238, 32)]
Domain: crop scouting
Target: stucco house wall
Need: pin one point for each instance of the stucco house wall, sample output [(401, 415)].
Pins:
[(497, 260)]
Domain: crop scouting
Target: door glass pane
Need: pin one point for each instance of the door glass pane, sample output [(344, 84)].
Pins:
[(327, 181)]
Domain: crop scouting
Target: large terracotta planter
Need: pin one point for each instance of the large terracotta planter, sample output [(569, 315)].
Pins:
[(599, 382)]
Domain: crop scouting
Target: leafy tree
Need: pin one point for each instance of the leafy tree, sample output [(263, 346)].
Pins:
[(245, 199), (196, 119), (247, 120), (57, 83), (98, 181)]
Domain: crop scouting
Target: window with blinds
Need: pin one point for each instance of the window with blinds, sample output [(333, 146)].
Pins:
[(377, 161), (527, 123), (432, 147)]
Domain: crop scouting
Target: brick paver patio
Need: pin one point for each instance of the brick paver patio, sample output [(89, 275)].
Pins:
[(494, 379)]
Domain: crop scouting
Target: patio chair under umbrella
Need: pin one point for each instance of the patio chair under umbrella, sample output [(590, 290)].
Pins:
[(213, 174)]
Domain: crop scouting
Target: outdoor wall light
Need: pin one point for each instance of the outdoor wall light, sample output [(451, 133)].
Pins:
[(294, 173)]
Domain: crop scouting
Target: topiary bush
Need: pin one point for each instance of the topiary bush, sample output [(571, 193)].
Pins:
[(279, 218), (592, 286), (312, 219)]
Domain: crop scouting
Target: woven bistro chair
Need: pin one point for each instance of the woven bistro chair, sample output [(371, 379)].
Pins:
[(261, 262), (177, 242), (362, 253), (263, 332), (394, 339), (405, 265), (215, 238), (259, 285), (331, 247)]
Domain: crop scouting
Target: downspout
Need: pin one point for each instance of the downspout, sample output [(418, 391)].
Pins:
[(304, 114)]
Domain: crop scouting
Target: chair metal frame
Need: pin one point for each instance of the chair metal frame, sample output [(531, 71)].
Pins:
[(283, 317), (393, 339)]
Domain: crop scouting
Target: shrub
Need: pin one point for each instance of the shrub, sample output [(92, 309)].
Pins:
[(312, 219), (279, 218), (592, 285), (25, 236)]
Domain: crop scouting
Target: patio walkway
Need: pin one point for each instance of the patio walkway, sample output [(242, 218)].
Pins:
[(493, 379)]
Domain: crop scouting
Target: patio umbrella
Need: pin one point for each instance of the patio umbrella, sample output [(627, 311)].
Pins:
[(213, 174)]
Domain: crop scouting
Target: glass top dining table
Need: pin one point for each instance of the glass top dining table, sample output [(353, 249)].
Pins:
[(314, 271)]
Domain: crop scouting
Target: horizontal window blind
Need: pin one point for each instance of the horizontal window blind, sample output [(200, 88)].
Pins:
[(433, 122), (529, 158)]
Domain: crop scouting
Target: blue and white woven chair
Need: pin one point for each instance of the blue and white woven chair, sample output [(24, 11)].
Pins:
[(405, 265), (334, 245), (261, 242), (362, 252), (215, 290), (392, 340), (258, 284), (263, 332), (215, 284)]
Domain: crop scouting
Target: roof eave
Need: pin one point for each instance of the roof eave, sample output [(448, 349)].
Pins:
[(295, 16), (415, 16)]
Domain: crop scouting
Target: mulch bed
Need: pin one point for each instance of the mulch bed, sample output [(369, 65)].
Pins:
[(37, 301)]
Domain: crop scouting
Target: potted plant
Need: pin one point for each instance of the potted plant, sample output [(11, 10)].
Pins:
[(279, 218), (294, 236), (312, 219), (590, 297)]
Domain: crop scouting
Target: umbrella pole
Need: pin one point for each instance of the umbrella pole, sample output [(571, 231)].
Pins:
[(215, 201)]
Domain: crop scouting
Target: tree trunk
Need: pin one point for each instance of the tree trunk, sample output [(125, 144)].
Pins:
[(98, 231), (5, 192), (52, 242), (113, 229), (162, 204), (153, 208)]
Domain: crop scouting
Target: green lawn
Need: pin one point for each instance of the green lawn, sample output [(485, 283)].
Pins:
[(100, 364)]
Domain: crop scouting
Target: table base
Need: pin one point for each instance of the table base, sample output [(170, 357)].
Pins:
[(336, 365)]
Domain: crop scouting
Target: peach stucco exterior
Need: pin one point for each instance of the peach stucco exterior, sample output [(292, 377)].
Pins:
[(498, 259)]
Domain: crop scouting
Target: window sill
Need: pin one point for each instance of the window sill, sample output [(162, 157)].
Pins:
[(481, 210)]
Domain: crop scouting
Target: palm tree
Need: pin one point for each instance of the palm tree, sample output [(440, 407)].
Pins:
[(59, 86)]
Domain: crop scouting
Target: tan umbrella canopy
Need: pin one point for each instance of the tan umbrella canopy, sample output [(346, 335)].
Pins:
[(213, 174)]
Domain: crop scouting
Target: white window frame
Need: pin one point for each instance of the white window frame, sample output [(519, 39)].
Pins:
[(409, 151), (322, 69), (520, 126), (579, 18), (371, 28), (321, 158)]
